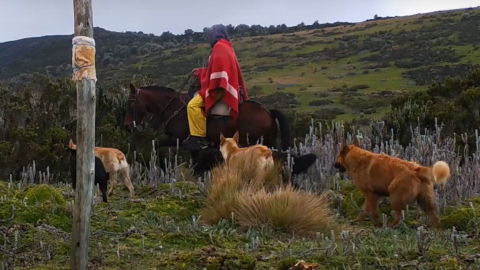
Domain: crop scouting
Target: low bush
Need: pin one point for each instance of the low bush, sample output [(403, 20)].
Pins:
[(259, 200), (321, 102)]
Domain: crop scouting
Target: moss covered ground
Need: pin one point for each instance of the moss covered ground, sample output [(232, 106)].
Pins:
[(159, 229)]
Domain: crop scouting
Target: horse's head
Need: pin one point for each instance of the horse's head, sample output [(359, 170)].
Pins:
[(136, 109)]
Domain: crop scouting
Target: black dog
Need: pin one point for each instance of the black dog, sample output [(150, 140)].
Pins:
[(211, 157), (339, 167), (101, 175), (300, 163)]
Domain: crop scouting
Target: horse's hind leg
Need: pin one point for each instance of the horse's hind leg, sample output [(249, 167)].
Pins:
[(268, 141), (246, 141), (270, 137)]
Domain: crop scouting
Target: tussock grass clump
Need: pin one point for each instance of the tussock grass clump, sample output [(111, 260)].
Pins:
[(226, 185), (286, 209), (260, 200)]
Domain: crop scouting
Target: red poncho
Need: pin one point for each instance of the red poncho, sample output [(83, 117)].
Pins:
[(223, 71)]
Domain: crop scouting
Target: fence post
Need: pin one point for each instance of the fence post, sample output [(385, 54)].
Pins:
[(84, 75)]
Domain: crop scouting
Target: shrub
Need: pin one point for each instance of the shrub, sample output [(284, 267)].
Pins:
[(358, 87), (328, 113), (255, 91), (428, 75), (320, 102), (367, 103), (43, 193), (463, 217), (258, 200), (349, 89), (227, 182), (285, 208), (321, 94), (278, 99)]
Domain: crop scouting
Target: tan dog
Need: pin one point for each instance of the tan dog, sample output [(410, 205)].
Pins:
[(380, 175), (115, 163), (257, 154)]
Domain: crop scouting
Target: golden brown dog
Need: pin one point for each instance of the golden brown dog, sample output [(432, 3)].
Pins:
[(259, 155), (115, 163), (380, 175)]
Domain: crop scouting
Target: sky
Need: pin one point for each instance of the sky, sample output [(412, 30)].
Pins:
[(30, 18)]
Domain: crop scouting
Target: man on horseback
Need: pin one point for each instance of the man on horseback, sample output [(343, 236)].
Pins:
[(221, 79)]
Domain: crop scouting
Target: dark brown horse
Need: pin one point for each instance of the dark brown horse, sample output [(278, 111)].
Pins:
[(169, 107)]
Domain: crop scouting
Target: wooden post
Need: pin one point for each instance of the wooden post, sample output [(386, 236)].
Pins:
[(84, 74)]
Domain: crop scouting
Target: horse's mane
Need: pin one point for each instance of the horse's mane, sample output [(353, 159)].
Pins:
[(158, 88)]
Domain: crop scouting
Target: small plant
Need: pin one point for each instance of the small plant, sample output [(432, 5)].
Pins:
[(226, 185), (285, 209), (260, 201)]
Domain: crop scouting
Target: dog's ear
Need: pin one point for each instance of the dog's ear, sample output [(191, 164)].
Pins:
[(344, 148), (356, 142), (236, 137), (133, 89), (222, 138)]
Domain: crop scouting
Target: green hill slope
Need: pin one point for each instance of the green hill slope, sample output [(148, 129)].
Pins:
[(332, 72)]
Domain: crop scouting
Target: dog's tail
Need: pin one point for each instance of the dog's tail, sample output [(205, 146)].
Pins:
[(123, 168), (122, 162), (437, 175), (267, 158)]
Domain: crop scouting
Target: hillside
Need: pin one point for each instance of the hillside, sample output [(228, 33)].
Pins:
[(332, 71)]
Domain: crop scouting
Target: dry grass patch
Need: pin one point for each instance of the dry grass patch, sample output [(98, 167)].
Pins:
[(226, 185), (285, 209), (261, 201)]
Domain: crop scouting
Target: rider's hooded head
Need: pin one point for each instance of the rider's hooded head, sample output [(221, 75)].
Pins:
[(217, 32)]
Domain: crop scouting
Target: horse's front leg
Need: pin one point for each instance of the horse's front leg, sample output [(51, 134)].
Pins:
[(197, 170), (169, 141)]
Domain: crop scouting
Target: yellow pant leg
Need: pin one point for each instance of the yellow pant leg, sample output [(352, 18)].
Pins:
[(196, 120)]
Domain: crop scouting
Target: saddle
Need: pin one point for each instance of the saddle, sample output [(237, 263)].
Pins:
[(220, 108)]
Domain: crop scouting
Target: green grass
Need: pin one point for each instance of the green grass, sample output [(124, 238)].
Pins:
[(159, 230), (385, 79)]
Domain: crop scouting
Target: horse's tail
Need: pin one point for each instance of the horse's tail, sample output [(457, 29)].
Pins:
[(284, 128)]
